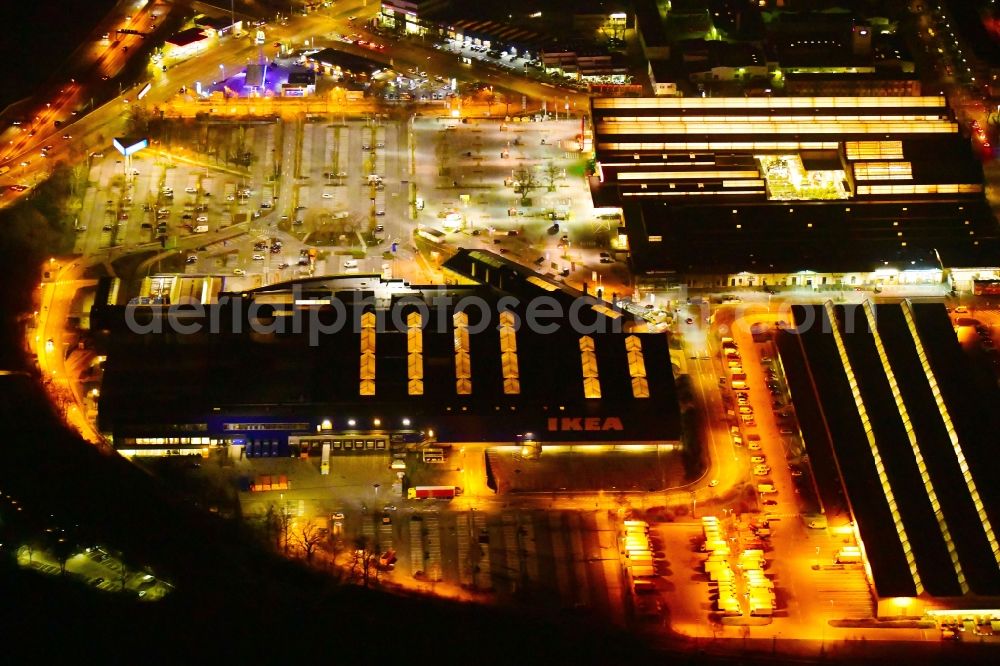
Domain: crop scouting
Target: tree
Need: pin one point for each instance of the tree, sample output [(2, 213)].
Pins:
[(552, 175), (284, 518), (335, 547), (122, 572), (267, 526), (239, 153), (365, 560), (138, 120), (307, 536), (525, 183), (62, 549)]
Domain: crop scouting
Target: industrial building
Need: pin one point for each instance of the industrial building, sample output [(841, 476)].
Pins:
[(897, 420), (817, 192)]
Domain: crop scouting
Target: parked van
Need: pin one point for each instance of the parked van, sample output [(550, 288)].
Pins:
[(766, 488)]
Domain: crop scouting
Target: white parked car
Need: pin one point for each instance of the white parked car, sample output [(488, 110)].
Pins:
[(202, 218), (239, 271), (190, 190), (350, 263), (327, 195), (258, 257)]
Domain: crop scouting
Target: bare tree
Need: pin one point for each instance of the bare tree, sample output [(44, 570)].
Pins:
[(63, 549), (335, 547), (284, 518), (525, 183), (365, 560), (552, 175), (307, 536), (122, 572), (268, 525), (137, 120)]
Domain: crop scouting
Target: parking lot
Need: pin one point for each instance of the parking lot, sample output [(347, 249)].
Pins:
[(338, 187), (765, 418), (467, 187), (247, 201), (561, 560)]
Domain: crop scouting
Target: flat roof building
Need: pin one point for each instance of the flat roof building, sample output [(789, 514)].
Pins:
[(892, 412), (747, 191), (403, 364), (187, 43)]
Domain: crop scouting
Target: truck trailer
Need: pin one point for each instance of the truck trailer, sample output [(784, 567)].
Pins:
[(431, 492)]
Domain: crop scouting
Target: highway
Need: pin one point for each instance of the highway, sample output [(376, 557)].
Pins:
[(94, 63)]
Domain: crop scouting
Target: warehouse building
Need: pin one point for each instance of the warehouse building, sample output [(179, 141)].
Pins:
[(821, 192), (896, 419)]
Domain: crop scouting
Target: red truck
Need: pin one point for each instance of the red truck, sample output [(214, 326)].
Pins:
[(431, 492)]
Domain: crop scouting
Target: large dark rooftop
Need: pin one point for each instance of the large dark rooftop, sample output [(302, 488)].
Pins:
[(777, 185), (868, 396), (794, 236), (502, 393)]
